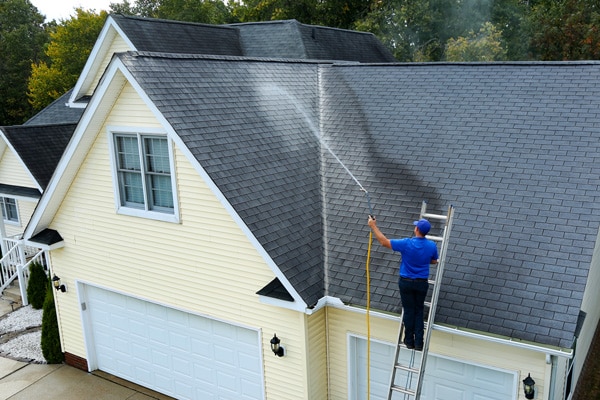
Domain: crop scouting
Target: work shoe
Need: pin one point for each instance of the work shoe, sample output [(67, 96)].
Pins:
[(409, 346)]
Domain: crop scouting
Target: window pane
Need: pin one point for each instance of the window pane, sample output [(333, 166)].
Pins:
[(131, 188), (157, 155), (160, 190), (9, 209), (128, 156)]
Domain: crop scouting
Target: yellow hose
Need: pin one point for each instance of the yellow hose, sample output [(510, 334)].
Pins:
[(369, 317)]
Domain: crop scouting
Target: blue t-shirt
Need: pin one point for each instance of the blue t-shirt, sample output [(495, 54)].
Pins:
[(417, 254)]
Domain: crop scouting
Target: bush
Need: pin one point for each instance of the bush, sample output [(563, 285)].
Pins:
[(38, 283), (50, 334)]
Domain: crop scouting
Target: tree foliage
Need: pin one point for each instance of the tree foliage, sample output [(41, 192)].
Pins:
[(565, 30), (37, 285), (22, 40), (485, 45), (70, 45), (50, 344)]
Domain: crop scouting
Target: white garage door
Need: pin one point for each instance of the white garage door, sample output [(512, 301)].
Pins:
[(445, 379), (179, 354)]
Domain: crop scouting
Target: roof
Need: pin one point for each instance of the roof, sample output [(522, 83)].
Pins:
[(272, 39), (161, 35), (292, 39), (40, 147), (58, 112), (513, 146)]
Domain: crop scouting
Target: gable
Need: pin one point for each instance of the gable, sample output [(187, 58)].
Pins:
[(13, 172)]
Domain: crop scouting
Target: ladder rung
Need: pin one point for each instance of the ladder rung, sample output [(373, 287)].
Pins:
[(408, 369), (431, 281), (403, 390), (440, 217), (427, 304), (435, 238)]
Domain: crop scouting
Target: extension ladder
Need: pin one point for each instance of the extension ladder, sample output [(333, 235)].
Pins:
[(409, 364)]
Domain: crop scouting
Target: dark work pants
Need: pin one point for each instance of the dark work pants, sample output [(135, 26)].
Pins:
[(413, 294)]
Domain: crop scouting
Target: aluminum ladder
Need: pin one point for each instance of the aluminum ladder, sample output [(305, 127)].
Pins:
[(409, 364)]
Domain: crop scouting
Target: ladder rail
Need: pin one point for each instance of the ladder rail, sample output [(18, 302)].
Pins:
[(434, 298), (413, 371)]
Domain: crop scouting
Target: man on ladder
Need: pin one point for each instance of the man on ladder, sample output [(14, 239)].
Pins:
[(417, 253)]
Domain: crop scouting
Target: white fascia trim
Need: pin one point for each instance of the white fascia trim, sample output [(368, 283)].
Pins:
[(47, 206), (298, 302), (12, 149), (549, 351), (98, 53)]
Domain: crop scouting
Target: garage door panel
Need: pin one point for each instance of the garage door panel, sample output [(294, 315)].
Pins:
[(180, 354)]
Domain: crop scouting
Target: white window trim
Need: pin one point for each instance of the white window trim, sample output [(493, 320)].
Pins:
[(8, 221), (134, 212)]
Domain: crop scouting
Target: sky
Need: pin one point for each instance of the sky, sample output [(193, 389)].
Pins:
[(64, 9)]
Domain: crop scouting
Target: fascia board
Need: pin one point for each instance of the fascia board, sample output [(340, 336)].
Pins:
[(99, 52), (76, 150), (8, 144)]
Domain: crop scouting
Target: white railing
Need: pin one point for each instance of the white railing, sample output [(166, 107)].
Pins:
[(15, 264)]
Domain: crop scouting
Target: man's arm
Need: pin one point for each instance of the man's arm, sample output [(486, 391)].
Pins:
[(385, 242)]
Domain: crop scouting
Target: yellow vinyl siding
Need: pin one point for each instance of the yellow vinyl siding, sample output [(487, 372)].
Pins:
[(13, 172), (118, 45), (317, 354), (205, 264), (486, 353)]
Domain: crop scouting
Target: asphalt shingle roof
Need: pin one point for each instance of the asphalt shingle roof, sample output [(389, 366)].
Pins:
[(514, 147), (272, 39), (57, 113), (40, 147)]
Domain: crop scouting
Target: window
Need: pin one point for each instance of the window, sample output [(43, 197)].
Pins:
[(9, 209), (143, 173)]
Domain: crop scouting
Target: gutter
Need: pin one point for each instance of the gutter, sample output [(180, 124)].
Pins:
[(335, 302)]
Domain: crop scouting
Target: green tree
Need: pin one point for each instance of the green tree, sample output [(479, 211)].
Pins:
[(37, 285), (50, 343), (204, 11), (565, 29), (70, 45), (22, 40), (485, 45)]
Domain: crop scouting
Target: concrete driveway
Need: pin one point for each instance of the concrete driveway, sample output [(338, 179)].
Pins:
[(25, 381)]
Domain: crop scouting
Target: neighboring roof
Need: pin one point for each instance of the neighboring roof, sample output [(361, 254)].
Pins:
[(47, 237), (515, 147), (272, 39), (159, 35), (19, 191), (58, 112), (40, 147), (292, 39)]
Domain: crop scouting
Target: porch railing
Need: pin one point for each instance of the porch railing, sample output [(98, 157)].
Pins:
[(15, 264)]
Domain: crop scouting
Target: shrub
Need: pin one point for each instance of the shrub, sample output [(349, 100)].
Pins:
[(50, 334), (38, 283)]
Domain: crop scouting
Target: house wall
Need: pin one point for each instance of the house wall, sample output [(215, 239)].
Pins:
[(471, 350), (317, 354), (591, 299), (205, 264), (12, 172)]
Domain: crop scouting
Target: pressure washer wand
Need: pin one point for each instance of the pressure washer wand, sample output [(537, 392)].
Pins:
[(368, 202)]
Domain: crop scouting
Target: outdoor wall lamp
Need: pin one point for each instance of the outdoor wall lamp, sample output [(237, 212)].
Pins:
[(277, 349), (529, 387), (58, 285)]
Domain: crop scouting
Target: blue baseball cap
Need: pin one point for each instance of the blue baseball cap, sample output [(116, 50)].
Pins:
[(423, 225)]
